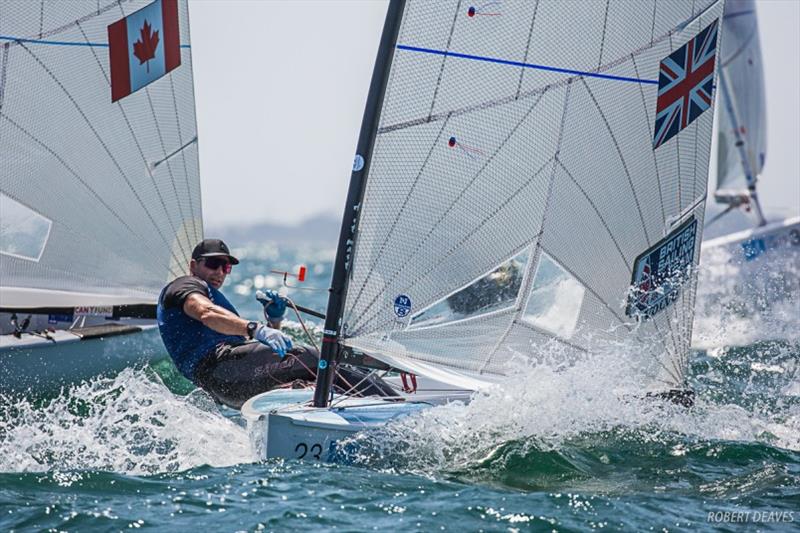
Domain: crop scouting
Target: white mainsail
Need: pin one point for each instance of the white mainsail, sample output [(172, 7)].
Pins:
[(742, 129), (99, 201), (513, 191)]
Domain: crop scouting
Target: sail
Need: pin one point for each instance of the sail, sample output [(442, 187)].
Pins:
[(99, 200), (742, 128), (528, 168)]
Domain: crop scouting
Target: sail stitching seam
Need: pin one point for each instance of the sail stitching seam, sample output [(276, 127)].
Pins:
[(527, 49), (3, 76), (599, 215), (655, 159), (603, 36), (622, 160), (444, 59)]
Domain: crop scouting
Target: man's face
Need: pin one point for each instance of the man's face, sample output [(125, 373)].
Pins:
[(212, 270)]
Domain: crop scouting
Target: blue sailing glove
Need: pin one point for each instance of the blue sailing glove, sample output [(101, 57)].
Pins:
[(274, 304), (273, 338)]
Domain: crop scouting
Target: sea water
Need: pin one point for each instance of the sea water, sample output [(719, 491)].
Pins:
[(556, 449)]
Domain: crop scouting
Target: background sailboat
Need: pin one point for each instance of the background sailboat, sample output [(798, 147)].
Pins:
[(742, 128), (754, 271), (99, 181)]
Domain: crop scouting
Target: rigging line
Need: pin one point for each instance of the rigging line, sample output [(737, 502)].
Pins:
[(151, 171), (655, 159), (41, 17), (12, 39), (196, 235), (676, 346), (456, 200), (139, 148), (579, 73), (527, 49), (102, 143), (397, 216), (80, 180), (597, 212), (622, 160), (444, 59), (457, 245)]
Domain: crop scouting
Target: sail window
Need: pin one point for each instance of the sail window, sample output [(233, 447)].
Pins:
[(492, 292), (23, 231), (555, 300)]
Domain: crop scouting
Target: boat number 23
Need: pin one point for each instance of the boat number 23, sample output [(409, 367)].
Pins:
[(302, 450)]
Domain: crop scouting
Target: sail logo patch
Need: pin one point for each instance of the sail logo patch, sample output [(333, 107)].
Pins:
[(402, 305), (143, 47), (659, 272), (685, 84)]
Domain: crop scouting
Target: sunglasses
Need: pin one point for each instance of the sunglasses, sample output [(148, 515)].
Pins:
[(214, 263)]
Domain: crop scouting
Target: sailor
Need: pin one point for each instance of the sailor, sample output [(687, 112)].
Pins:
[(232, 358)]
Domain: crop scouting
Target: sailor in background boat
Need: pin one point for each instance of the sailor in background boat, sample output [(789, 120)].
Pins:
[(229, 357)]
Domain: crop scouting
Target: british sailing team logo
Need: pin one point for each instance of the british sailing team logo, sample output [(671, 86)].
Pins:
[(659, 272)]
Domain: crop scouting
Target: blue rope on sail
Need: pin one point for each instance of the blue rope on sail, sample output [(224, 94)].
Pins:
[(521, 64), (61, 43)]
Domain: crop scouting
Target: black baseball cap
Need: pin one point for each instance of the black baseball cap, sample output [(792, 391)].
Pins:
[(213, 248)]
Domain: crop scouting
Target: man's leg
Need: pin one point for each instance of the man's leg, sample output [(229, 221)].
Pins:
[(238, 372)]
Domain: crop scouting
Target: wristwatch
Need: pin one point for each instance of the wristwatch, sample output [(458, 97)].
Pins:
[(251, 329)]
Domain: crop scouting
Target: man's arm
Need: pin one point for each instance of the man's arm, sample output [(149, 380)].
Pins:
[(199, 307)]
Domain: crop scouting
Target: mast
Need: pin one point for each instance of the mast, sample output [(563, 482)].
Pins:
[(347, 233)]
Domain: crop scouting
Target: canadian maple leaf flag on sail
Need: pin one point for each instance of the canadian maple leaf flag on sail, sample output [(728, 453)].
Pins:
[(143, 46)]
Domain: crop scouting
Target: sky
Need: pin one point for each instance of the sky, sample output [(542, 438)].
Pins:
[(280, 91)]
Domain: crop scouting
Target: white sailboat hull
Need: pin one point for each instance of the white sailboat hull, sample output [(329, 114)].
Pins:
[(282, 423), (759, 243)]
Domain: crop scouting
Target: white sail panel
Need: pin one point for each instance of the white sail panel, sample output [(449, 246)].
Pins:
[(742, 132), (510, 136), (118, 181)]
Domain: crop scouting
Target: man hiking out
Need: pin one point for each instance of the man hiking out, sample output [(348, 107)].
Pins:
[(231, 358)]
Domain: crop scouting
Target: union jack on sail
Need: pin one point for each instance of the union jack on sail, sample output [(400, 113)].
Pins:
[(685, 84)]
